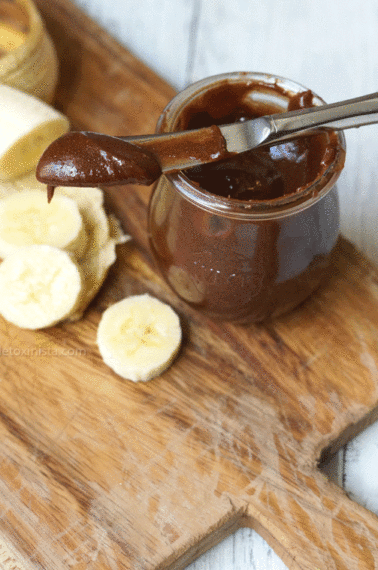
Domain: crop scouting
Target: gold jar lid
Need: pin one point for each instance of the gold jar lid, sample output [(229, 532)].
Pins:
[(28, 60)]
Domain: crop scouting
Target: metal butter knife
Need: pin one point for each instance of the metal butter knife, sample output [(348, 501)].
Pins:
[(243, 136)]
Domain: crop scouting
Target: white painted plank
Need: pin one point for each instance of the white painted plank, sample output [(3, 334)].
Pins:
[(244, 550), (361, 473), (323, 44), (10, 559), (156, 31)]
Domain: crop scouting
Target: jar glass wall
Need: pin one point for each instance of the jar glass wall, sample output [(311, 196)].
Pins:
[(249, 259)]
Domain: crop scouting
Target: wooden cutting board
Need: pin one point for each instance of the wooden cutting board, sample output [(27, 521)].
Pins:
[(101, 473)]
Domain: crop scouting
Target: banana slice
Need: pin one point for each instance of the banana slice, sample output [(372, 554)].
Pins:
[(91, 206), (115, 230), (94, 269), (40, 285), (28, 181), (96, 252), (96, 264), (26, 218), (27, 127), (7, 188), (89, 200), (139, 337)]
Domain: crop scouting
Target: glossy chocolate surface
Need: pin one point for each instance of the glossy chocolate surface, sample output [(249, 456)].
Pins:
[(82, 158), (264, 173)]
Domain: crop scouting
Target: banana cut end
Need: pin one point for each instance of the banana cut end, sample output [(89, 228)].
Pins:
[(28, 126), (139, 337)]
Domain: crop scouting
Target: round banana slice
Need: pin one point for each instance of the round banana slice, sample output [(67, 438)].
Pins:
[(26, 218), (139, 337), (40, 285), (27, 127)]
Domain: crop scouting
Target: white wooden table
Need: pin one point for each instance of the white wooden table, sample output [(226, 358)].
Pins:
[(330, 46)]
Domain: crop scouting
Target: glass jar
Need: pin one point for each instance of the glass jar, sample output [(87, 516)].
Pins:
[(245, 260), (28, 59)]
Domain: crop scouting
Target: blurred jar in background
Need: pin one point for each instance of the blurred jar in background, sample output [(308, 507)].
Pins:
[(28, 60)]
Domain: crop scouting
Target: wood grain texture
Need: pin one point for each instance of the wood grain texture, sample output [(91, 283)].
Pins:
[(330, 47), (99, 473)]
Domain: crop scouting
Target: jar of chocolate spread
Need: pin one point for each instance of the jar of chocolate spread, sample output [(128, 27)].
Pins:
[(249, 237)]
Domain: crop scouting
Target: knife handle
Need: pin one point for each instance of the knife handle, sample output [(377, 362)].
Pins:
[(343, 115)]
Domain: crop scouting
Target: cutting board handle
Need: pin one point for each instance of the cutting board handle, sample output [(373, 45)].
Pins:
[(315, 528)]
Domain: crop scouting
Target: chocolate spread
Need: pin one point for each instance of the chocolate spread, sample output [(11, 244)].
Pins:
[(247, 269), (89, 159), (82, 158), (205, 145), (264, 173)]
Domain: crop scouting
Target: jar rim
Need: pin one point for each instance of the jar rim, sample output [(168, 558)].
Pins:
[(257, 209)]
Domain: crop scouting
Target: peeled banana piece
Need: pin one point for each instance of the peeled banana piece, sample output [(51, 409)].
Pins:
[(27, 127), (90, 202), (95, 248), (26, 218), (40, 285), (104, 234), (139, 337), (94, 268)]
